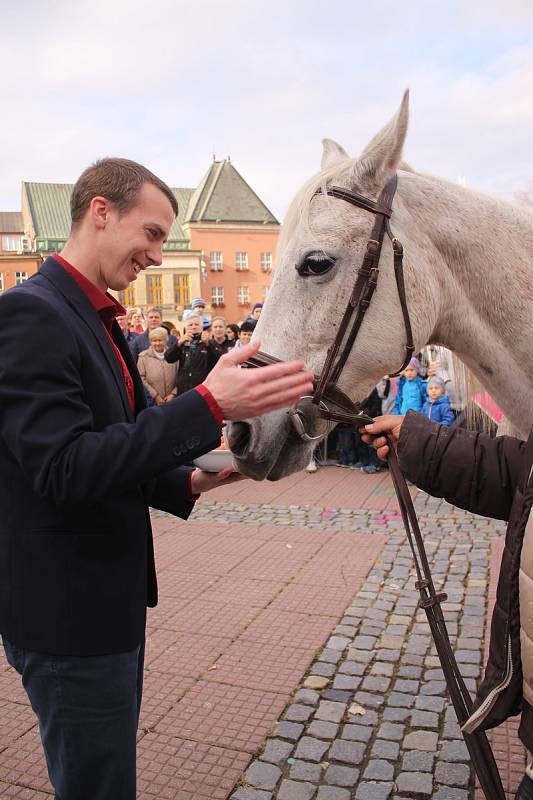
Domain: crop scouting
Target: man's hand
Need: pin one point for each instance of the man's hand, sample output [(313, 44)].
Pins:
[(374, 434), (245, 393), (204, 481)]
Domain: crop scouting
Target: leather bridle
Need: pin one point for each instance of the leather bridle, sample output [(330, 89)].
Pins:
[(334, 405)]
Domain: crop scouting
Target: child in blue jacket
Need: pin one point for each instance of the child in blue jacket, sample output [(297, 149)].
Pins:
[(411, 390), (437, 407)]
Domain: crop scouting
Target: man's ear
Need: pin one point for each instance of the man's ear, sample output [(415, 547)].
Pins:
[(99, 211)]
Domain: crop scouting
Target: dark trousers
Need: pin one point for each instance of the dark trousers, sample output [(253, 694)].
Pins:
[(88, 710)]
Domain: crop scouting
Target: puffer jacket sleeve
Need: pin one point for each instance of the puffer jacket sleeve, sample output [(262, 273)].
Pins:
[(470, 470)]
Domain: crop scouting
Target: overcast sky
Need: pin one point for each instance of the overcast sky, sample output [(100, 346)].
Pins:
[(171, 83)]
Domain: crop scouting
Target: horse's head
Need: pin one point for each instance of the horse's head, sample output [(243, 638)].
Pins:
[(321, 248)]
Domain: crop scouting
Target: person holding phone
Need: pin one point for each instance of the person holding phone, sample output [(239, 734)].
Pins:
[(195, 353)]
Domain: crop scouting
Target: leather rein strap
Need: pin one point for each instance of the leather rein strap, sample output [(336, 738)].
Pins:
[(348, 412)]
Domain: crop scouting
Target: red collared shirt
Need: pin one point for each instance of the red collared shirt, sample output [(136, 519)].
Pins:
[(108, 308)]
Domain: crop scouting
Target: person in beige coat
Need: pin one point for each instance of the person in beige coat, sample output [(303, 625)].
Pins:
[(159, 377)]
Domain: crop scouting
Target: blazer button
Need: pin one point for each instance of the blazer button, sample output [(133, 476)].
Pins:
[(196, 441), (178, 451), (190, 444)]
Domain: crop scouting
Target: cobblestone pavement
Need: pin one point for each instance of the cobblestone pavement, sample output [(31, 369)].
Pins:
[(370, 720)]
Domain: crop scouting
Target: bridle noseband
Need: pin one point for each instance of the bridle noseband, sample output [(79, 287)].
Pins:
[(332, 403)]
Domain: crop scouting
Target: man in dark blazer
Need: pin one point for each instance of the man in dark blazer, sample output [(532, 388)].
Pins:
[(81, 461)]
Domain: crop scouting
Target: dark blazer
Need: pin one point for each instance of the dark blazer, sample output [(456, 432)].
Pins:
[(78, 472)]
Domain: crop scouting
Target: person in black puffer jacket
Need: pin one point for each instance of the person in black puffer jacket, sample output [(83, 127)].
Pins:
[(194, 352)]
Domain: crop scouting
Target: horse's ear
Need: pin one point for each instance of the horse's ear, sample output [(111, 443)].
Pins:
[(382, 156), (331, 153)]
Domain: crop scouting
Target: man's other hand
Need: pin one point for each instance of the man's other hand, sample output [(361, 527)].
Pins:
[(245, 393), (375, 434), (204, 481)]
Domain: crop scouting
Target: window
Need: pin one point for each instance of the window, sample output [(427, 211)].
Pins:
[(266, 261), (217, 296), (13, 243), (243, 295), (215, 261), (1, 281), (265, 290), (241, 260), (128, 297), (154, 290), (182, 290), (20, 277)]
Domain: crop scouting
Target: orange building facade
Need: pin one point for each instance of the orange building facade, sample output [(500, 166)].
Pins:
[(238, 265)]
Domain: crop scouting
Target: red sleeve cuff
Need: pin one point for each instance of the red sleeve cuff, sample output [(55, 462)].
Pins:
[(214, 408), (190, 496)]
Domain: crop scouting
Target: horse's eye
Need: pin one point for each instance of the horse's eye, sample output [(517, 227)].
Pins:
[(317, 264)]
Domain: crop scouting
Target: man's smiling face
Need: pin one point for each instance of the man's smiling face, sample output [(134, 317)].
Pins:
[(133, 241)]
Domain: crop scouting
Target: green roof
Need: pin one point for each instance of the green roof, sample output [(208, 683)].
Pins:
[(224, 196)]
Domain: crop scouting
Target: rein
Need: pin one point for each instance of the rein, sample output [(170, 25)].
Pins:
[(334, 405)]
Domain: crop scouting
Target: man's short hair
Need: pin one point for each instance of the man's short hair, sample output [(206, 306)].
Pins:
[(247, 326), (119, 180), (156, 309)]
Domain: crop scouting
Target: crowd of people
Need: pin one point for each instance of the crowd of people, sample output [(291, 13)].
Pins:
[(422, 386), (172, 361)]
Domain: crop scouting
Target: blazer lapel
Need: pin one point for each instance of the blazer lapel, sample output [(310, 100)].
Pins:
[(138, 387), (62, 281)]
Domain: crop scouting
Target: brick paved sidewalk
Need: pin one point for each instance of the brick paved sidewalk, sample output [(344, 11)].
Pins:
[(250, 594)]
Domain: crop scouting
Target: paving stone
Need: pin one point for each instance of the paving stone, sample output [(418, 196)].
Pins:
[(433, 688), (417, 761), (429, 703), (454, 751), (249, 793), (294, 790), (378, 770), (289, 730), (421, 740), (311, 749), (370, 718), (329, 711), (348, 752), (388, 655), (373, 791), (332, 655), (262, 776), (304, 771), (452, 774), (389, 730), (341, 776), (385, 749), (356, 733), (307, 696), (298, 713), (352, 668), (424, 719), (322, 729), (446, 793), (276, 751), (396, 714), (376, 683), (419, 783), (382, 668), (321, 669), (332, 793), (451, 730), (364, 643), (337, 695), (400, 699), (350, 682), (339, 643), (367, 699)]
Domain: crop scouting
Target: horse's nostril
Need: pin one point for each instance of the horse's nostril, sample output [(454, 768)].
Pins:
[(239, 435)]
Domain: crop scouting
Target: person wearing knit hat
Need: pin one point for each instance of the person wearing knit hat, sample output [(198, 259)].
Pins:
[(198, 306), (437, 407), (256, 313), (411, 394)]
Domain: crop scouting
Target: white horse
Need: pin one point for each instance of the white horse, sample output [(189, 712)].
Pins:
[(469, 283)]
